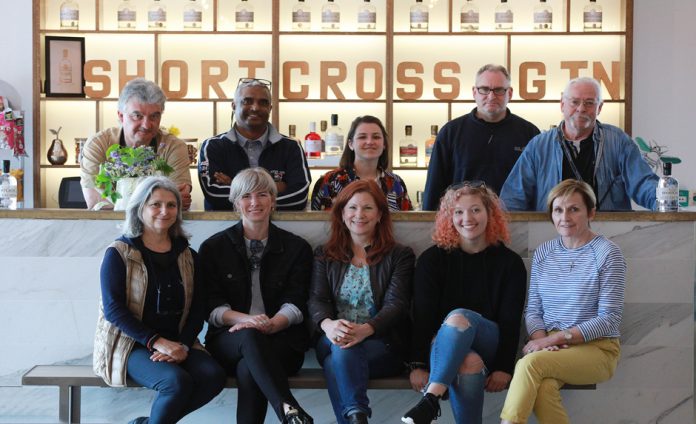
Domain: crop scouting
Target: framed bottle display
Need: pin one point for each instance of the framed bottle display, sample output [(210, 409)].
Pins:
[(65, 59)]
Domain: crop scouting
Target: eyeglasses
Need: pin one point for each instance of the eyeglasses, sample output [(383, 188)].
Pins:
[(254, 81), (588, 103), (498, 91), (469, 184)]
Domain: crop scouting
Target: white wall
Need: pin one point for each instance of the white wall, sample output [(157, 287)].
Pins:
[(664, 66), (16, 70)]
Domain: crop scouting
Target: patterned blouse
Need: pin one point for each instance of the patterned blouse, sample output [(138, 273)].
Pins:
[(331, 183), (354, 301)]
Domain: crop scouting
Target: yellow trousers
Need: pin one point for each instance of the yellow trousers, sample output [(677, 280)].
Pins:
[(540, 375)]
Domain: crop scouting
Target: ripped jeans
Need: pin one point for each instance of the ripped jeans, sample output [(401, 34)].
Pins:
[(450, 347)]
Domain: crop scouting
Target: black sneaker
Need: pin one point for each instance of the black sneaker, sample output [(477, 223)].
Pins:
[(357, 418), (296, 416), (425, 412)]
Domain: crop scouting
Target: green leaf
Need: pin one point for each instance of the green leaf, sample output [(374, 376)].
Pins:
[(642, 145)]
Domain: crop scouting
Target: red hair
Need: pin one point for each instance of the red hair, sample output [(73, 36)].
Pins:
[(446, 236), (339, 247)]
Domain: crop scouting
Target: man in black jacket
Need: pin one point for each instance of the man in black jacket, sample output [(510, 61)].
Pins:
[(482, 145), (253, 141)]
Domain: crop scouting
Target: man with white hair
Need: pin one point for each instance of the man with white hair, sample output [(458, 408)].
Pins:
[(585, 149)]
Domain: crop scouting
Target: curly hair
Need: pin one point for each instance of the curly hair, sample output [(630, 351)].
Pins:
[(446, 236), (339, 246)]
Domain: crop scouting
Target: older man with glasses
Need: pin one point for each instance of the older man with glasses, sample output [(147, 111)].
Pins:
[(253, 142), (481, 145), (584, 149)]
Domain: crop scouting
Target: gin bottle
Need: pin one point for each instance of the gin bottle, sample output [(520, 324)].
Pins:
[(543, 16), (157, 15), (244, 16), (367, 16), (301, 17), (408, 149), (69, 15), (193, 16), (503, 16), (469, 16), (430, 144), (330, 16), (592, 16), (292, 134), (667, 191), (334, 137), (126, 15), (8, 188), (312, 142), (419, 17)]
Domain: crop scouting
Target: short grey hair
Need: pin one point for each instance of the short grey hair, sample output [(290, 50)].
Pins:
[(584, 80), (142, 90), (490, 67), (251, 180), (133, 225), (250, 83)]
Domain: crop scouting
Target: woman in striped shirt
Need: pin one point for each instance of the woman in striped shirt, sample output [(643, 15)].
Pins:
[(574, 310)]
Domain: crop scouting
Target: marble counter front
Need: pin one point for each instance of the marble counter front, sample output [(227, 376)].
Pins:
[(49, 289)]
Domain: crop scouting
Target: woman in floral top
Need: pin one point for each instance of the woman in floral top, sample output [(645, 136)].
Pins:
[(366, 156)]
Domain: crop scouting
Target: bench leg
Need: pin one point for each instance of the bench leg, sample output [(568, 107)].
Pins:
[(69, 404)]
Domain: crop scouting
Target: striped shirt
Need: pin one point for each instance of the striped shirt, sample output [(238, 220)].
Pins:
[(581, 287)]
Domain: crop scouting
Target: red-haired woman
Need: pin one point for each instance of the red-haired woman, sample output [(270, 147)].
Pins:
[(360, 298), (468, 299)]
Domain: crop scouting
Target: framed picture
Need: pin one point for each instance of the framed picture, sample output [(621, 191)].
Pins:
[(65, 61)]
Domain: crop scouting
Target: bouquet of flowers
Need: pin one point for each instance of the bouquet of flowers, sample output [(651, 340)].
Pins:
[(128, 162)]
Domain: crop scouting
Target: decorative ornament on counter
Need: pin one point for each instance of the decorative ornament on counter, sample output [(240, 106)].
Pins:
[(57, 155)]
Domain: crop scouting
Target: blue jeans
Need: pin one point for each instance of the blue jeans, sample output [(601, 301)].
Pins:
[(347, 372), (449, 349), (181, 388)]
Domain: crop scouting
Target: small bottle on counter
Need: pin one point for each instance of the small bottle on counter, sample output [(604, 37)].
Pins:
[(8, 188), (667, 191)]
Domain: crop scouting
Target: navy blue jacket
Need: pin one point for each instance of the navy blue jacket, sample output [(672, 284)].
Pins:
[(468, 148), (282, 157)]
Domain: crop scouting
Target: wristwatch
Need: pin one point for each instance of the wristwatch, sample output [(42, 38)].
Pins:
[(568, 336)]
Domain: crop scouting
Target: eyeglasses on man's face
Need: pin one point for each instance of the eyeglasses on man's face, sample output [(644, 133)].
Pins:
[(498, 91), (469, 184), (254, 81), (587, 103)]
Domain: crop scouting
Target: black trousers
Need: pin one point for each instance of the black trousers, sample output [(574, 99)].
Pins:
[(261, 364)]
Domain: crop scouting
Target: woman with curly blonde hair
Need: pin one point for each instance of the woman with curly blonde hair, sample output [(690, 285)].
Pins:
[(468, 298)]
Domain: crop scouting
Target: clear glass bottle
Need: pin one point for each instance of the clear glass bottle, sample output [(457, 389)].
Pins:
[(312, 143), (322, 133), (469, 17), (193, 16), (408, 149), (334, 137), (65, 70), (69, 15), (8, 188), (292, 133), (126, 15), (301, 16), (330, 16), (157, 15), (543, 16), (592, 16), (667, 191), (244, 16), (367, 16), (430, 144), (419, 17), (503, 16)]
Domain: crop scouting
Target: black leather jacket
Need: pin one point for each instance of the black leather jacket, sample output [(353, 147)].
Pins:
[(391, 281), (285, 275)]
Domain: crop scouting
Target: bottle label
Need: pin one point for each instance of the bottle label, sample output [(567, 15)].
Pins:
[(158, 15), (367, 17), (69, 15), (593, 16), (408, 151), (419, 17), (429, 150), (126, 15), (301, 16), (667, 194), (334, 143), (503, 17), (193, 16), (246, 16), (8, 191), (331, 17), (313, 146), (470, 17), (543, 17)]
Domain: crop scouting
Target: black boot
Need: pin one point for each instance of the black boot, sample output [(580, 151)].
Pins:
[(357, 418), (425, 412)]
